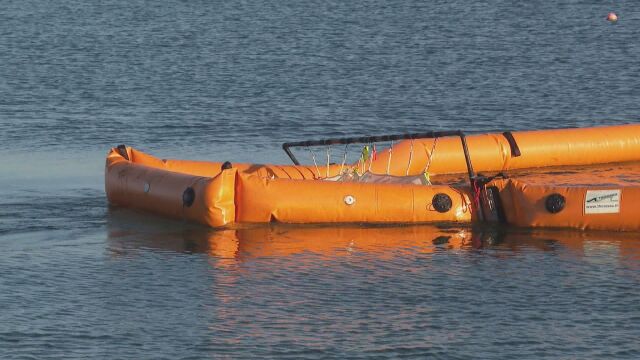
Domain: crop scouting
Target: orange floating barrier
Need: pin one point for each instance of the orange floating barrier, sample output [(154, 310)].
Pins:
[(578, 178)]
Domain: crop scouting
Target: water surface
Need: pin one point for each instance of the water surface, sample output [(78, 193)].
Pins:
[(232, 81)]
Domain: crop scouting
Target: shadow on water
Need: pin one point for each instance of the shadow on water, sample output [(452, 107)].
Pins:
[(129, 231)]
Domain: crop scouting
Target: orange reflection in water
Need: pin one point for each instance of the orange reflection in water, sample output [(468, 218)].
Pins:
[(129, 230)]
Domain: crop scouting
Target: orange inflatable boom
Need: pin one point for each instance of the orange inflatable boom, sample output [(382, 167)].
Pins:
[(580, 178)]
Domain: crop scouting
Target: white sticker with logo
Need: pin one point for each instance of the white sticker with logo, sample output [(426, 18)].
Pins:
[(602, 202)]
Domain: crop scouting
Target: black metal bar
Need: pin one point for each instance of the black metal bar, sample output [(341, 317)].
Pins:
[(368, 139), (286, 148), (467, 157)]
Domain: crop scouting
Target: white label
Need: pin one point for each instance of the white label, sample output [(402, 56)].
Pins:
[(602, 202)]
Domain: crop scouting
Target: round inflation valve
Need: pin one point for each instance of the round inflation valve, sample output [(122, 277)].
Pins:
[(441, 202), (188, 197), (349, 200), (555, 203), (226, 165)]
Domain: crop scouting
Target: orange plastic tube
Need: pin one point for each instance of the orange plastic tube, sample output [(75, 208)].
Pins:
[(302, 201), (492, 152), (525, 206), (147, 188)]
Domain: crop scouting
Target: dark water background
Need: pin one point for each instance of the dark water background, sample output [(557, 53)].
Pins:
[(232, 80)]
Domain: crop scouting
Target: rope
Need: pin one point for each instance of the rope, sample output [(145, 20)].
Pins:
[(476, 194), (426, 169), (344, 158), (328, 159), (389, 160), (364, 155), (410, 158), (370, 156), (433, 148), (313, 156)]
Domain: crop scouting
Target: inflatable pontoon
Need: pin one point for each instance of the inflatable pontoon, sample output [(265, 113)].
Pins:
[(573, 178)]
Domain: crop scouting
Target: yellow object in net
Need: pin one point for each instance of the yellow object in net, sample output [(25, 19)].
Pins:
[(427, 178)]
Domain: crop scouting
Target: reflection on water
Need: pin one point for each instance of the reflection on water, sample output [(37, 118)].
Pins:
[(390, 291), (129, 230), (185, 291)]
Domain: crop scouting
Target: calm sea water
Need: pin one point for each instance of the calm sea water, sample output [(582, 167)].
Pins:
[(231, 80)]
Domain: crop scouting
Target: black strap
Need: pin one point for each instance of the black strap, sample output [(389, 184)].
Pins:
[(123, 151), (494, 192), (515, 150)]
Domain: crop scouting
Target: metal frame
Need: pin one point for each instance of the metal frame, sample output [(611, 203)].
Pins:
[(370, 139)]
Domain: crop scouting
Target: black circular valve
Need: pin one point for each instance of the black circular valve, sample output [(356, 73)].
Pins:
[(441, 202), (226, 165), (188, 197), (555, 203)]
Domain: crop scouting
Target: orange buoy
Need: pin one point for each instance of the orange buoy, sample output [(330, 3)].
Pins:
[(612, 17)]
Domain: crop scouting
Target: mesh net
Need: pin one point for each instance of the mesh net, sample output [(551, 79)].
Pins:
[(353, 163)]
